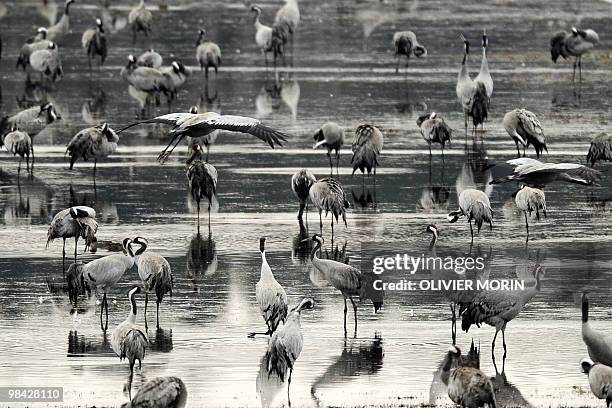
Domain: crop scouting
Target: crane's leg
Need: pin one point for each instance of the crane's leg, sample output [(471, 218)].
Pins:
[(493, 344), (76, 241), (518, 150), (580, 68), (157, 314), (28, 161), (207, 151), (95, 168), (198, 215), (130, 379), (145, 310), (19, 168), (345, 309), (354, 314), (64, 257), (453, 324), (320, 222), (289, 386), (574, 73), (331, 166), (337, 164), (301, 211), (332, 226), (105, 313), (523, 150), (527, 226), (398, 63), (209, 201), (102, 310), (471, 230), (503, 330)]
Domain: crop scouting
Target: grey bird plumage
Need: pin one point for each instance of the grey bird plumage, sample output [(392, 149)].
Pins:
[(263, 33), (103, 273), (208, 54), (150, 58), (285, 345), (178, 74), (301, 182), (535, 173), (484, 75), (155, 273), (270, 295), (19, 143), (575, 44), (496, 308), (58, 31), (475, 206), (140, 20), (40, 42), (47, 62), (600, 379), (202, 179), (367, 146), (530, 200), (600, 149), (471, 94), (74, 222), (405, 43), (468, 386), (129, 340), (148, 80), (525, 128), (330, 136), (347, 279), (201, 124), (434, 129), (160, 392), (94, 43), (92, 143), (598, 342), (328, 195)]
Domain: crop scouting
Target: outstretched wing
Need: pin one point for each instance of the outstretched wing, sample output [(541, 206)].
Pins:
[(244, 125), (169, 119)]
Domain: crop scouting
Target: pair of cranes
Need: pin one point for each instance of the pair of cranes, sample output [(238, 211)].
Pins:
[(283, 325)]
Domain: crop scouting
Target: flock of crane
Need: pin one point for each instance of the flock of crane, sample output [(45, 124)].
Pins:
[(467, 385)]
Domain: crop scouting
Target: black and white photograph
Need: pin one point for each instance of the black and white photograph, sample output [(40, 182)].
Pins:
[(306, 203)]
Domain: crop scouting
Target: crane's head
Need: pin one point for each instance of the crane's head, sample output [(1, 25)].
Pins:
[(127, 246), (307, 303), (454, 351), (586, 364), (133, 291), (52, 45), (131, 60), (316, 238), (99, 23), (466, 43), (43, 32), (141, 241), (193, 110), (574, 31), (485, 40), (454, 216), (433, 228), (433, 115), (255, 8), (262, 244)]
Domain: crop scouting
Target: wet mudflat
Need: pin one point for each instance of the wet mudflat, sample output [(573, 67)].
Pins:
[(394, 358)]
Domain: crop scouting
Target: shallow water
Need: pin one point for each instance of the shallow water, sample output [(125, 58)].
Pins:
[(397, 351)]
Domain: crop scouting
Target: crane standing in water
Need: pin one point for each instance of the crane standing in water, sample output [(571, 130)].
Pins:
[(271, 297)]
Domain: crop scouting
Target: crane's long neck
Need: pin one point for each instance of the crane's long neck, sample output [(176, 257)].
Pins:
[(266, 272), (585, 311), (257, 23), (463, 72), (67, 9), (317, 263), (484, 65), (133, 311)]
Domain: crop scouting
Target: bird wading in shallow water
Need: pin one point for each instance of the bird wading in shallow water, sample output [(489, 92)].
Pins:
[(129, 340), (301, 182), (285, 345), (405, 43), (270, 295), (331, 136), (202, 179), (74, 222), (524, 127), (472, 94), (475, 206), (573, 44), (328, 194)]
